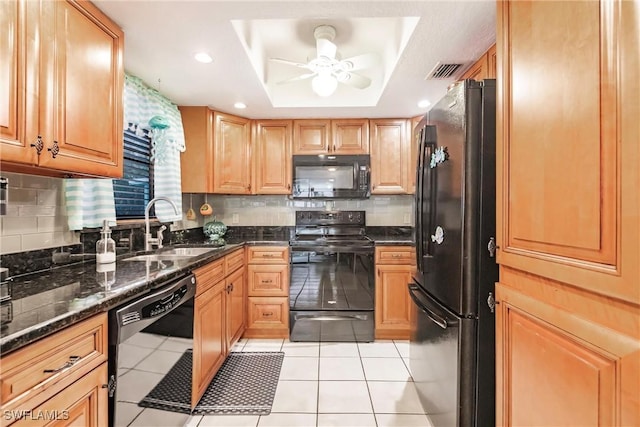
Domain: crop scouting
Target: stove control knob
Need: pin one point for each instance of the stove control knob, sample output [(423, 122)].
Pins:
[(350, 216)]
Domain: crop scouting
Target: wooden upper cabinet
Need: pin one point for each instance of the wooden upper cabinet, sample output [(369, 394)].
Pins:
[(479, 70), (196, 162), (232, 151), (218, 154), (492, 61), (389, 156), (311, 136), (13, 115), (350, 136), (272, 157), (64, 75), (414, 146), (568, 203)]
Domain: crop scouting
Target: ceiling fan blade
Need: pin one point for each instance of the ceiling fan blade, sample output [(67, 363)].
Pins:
[(326, 48), (286, 61), (355, 80), (297, 78), (359, 62)]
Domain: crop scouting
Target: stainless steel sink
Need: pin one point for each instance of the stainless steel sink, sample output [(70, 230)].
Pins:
[(158, 257), (172, 254), (188, 252)]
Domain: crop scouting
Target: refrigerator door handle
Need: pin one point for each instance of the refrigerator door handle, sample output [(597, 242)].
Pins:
[(430, 314)]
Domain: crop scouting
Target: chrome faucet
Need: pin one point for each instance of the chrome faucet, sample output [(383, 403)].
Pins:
[(148, 240)]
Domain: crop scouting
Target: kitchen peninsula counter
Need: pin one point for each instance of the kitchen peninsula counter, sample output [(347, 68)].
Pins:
[(47, 301)]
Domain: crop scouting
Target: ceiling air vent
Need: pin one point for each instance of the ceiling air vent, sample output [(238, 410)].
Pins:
[(443, 71)]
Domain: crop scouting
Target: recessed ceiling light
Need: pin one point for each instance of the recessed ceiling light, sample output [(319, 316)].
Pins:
[(240, 105), (203, 57), (423, 104)]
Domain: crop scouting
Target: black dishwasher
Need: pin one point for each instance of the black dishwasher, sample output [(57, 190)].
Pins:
[(166, 311)]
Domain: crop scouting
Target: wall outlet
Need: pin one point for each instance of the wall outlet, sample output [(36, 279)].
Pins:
[(235, 218), (407, 218)]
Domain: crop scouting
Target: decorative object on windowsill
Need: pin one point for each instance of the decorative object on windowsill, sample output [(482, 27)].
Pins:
[(206, 208), (191, 214), (214, 230)]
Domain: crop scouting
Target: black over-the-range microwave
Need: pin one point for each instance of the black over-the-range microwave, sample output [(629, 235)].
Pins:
[(328, 176)]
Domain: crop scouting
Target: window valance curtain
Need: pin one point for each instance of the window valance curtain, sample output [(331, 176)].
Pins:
[(148, 109)]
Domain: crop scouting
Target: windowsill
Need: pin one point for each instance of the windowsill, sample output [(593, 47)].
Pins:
[(124, 224)]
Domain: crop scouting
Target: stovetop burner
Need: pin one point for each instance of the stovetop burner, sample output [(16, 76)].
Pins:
[(329, 228)]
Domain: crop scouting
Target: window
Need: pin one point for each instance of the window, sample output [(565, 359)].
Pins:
[(135, 189)]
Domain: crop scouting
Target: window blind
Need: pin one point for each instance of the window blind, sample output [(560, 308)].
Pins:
[(135, 189)]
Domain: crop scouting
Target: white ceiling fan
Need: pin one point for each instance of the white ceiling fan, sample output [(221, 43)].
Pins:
[(327, 70)]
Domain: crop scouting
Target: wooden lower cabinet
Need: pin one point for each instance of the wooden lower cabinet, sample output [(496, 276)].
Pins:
[(218, 319), (268, 317), (83, 403), (580, 373), (268, 292), (73, 393), (236, 296), (209, 338), (394, 267)]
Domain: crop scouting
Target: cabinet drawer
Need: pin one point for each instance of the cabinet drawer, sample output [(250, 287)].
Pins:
[(268, 280), (268, 313), (395, 255), (268, 255), (233, 261), (208, 275), (34, 368)]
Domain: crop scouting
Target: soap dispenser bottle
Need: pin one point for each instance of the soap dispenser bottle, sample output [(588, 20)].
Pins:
[(106, 246)]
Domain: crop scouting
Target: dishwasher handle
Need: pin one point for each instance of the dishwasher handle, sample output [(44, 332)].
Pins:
[(138, 314), (417, 295)]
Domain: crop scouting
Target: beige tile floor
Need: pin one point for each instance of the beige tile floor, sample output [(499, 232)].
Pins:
[(321, 385)]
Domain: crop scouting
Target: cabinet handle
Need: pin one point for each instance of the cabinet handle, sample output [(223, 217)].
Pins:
[(267, 255), (288, 186), (267, 281), (396, 255), (269, 314), (69, 363), (39, 145), (378, 272), (333, 148), (55, 149), (231, 287)]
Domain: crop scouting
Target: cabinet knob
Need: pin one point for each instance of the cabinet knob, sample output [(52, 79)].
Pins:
[(268, 314), (39, 145), (55, 149)]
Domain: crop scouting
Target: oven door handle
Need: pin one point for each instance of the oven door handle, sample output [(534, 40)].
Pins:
[(315, 317), (333, 249)]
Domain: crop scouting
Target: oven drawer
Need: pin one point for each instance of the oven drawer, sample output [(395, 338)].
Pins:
[(267, 254), (268, 280), (268, 315), (58, 358)]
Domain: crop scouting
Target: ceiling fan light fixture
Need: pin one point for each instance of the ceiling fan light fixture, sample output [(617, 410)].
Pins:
[(324, 84)]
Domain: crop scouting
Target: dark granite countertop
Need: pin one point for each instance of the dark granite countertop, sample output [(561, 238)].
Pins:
[(48, 301)]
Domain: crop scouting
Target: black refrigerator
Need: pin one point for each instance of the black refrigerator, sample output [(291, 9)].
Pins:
[(452, 347)]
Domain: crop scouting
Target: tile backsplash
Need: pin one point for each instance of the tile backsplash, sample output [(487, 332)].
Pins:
[(36, 216), (279, 210)]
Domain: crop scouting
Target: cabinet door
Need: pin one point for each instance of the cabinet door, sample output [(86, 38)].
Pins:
[(567, 149), (196, 162), (311, 136), (272, 157), (479, 70), (236, 307), (580, 374), (209, 349), (81, 90), (389, 156), (232, 161), (350, 136), (83, 403), (492, 62), (14, 145), (393, 303)]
